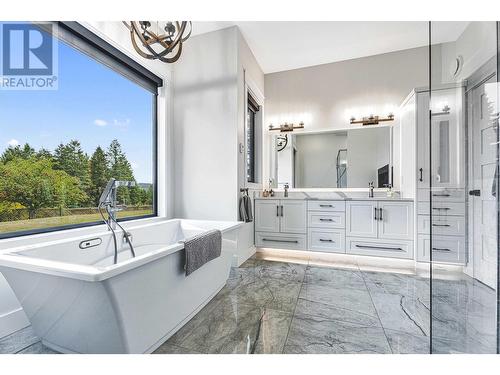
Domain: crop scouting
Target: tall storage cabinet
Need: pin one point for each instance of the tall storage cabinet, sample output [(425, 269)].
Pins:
[(439, 162)]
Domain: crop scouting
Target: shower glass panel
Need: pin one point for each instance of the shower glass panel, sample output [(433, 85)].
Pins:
[(458, 229)]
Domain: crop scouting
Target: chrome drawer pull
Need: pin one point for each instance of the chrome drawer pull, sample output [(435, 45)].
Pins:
[(441, 195), (287, 241), (441, 208), (440, 249), (326, 205), (321, 219), (380, 248), (441, 225), (323, 240)]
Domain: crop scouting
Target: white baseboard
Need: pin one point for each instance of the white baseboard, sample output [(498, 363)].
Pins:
[(239, 259), (13, 321)]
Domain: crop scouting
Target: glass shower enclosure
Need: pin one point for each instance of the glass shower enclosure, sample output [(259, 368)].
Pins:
[(458, 186)]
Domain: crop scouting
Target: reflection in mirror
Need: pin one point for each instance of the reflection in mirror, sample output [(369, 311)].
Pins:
[(336, 159)]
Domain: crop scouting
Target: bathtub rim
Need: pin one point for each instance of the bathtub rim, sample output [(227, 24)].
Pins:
[(10, 259)]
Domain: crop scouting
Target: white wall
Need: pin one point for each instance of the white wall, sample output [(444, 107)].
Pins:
[(476, 45), (205, 133), (209, 121), (249, 73)]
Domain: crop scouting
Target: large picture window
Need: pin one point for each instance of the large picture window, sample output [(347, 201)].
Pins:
[(58, 148)]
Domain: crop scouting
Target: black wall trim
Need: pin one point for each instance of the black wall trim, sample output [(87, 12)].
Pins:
[(74, 33)]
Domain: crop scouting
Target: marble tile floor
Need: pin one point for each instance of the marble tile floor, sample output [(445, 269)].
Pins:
[(280, 307)]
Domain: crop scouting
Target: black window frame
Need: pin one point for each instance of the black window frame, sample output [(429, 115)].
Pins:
[(250, 151), (82, 39)]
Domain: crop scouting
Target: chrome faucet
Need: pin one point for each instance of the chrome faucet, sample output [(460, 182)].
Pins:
[(108, 201), (370, 189), (286, 190)]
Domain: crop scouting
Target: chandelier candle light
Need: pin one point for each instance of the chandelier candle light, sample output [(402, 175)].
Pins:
[(159, 40)]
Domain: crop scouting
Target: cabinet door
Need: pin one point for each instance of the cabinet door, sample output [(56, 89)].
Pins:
[(447, 135), (361, 219), (423, 148), (267, 217), (293, 216), (395, 220)]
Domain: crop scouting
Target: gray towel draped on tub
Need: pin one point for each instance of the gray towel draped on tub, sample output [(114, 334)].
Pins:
[(202, 249), (246, 209)]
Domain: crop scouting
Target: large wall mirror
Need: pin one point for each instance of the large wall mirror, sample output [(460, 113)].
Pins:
[(335, 159)]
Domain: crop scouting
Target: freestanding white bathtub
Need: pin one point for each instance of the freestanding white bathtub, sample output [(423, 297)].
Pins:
[(78, 301)]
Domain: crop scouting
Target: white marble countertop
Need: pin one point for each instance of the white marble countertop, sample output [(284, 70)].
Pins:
[(381, 198)]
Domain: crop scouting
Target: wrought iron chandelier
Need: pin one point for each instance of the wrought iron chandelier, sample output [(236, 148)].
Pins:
[(159, 40)]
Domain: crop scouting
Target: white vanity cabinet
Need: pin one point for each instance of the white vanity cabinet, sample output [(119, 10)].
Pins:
[(380, 228), (326, 226), (280, 223)]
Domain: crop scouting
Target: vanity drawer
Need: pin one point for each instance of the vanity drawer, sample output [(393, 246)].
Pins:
[(333, 220), (380, 248), (445, 249), (281, 240), (442, 225), (326, 240), (441, 195), (326, 206), (442, 208)]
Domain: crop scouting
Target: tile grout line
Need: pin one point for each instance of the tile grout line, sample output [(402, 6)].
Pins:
[(376, 311), (295, 308), (27, 347)]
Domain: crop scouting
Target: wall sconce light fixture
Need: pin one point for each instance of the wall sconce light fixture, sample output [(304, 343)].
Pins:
[(286, 127), (372, 120)]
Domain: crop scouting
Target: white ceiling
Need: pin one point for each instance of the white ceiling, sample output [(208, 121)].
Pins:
[(280, 45)]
